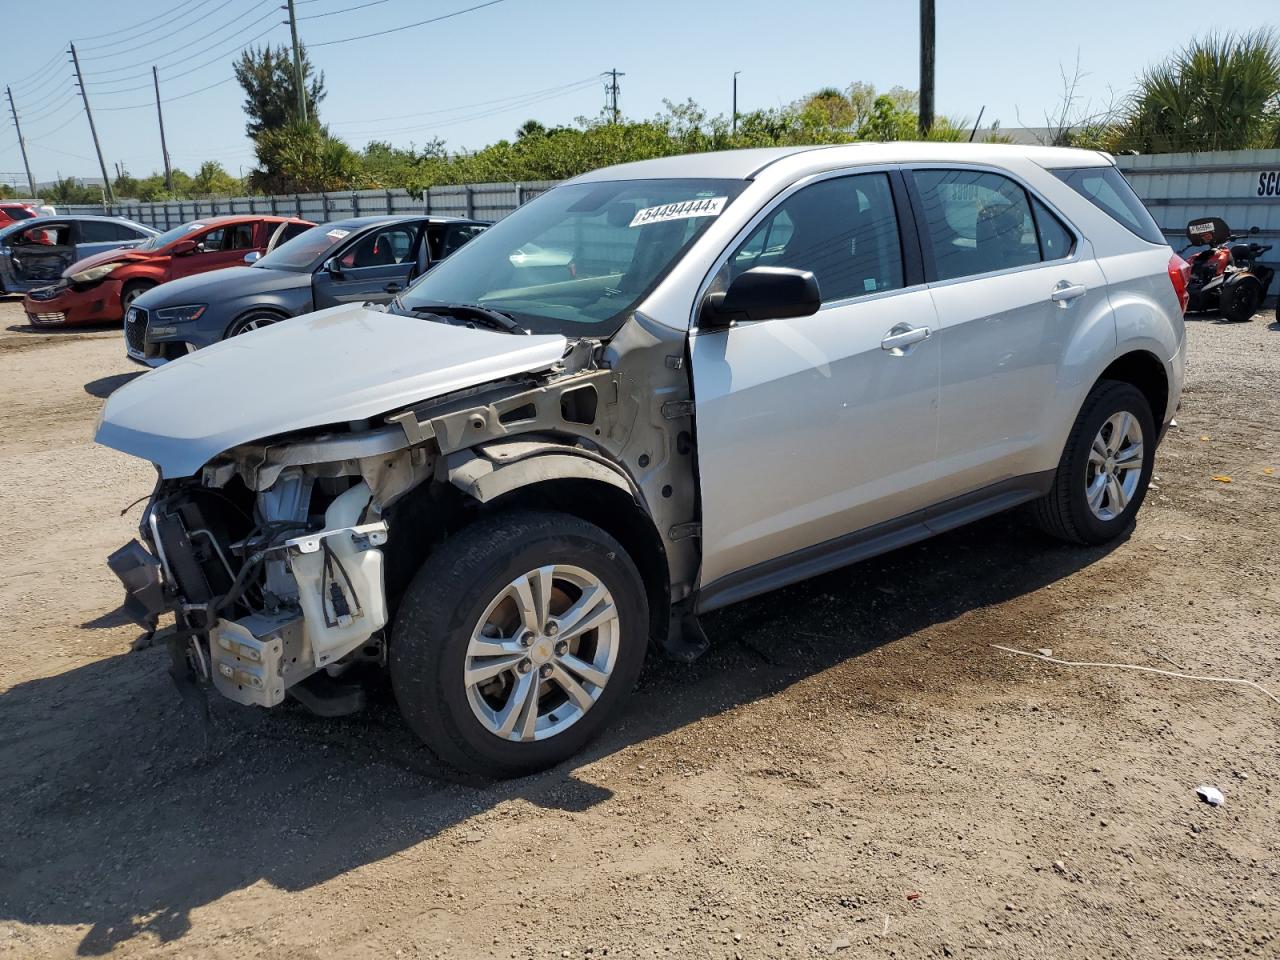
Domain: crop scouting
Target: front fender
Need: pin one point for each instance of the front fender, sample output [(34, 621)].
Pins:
[(492, 470)]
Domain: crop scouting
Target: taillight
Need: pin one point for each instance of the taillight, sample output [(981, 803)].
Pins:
[(1179, 275)]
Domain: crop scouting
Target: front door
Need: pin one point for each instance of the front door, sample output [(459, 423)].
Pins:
[(813, 428), (376, 267), (41, 253), (1014, 288), (220, 247)]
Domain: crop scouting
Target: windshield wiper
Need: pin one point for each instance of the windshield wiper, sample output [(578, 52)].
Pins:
[(471, 314)]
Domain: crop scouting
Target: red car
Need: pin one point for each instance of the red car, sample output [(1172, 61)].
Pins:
[(11, 212), (100, 288)]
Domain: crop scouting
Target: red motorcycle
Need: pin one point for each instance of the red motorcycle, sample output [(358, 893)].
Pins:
[(1227, 276)]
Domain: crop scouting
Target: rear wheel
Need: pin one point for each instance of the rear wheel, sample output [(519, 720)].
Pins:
[(1241, 296), (1105, 469), (518, 642)]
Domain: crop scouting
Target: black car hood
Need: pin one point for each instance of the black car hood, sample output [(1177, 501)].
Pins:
[(221, 285)]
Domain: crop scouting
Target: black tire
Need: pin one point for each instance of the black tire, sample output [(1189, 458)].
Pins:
[(444, 604), (1065, 512), (1240, 299), (260, 317), (131, 292)]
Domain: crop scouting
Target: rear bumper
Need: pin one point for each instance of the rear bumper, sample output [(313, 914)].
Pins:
[(68, 306)]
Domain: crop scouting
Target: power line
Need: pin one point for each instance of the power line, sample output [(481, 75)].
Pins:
[(178, 14), (189, 43), (317, 16), (410, 26), (209, 62), (585, 81), (56, 58)]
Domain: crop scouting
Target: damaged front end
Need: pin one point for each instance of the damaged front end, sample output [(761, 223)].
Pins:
[(282, 560)]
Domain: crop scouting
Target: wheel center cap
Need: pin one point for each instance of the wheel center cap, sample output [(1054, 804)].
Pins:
[(541, 652)]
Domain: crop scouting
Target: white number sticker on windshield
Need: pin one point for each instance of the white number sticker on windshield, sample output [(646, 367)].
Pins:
[(706, 207), (337, 234)]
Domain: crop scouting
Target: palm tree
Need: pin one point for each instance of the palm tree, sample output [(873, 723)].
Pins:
[(1217, 93)]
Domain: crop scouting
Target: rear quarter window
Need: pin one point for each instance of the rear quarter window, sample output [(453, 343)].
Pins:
[(1108, 190)]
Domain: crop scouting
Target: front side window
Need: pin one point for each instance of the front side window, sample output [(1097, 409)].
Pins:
[(238, 237), (384, 247), (579, 258), (211, 242), (976, 222), (843, 230)]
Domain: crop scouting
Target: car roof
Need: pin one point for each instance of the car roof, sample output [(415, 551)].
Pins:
[(749, 163), (396, 218)]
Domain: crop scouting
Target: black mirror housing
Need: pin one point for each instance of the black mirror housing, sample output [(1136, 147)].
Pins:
[(333, 267), (763, 293)]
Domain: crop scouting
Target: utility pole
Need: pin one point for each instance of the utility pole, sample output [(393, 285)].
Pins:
[(297, 63), (164, 147), (611, 89), (84, 95), (735, 101), (22, 144), (926, 66)]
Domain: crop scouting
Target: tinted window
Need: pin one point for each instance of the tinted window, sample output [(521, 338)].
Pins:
[(1108, 190), (17, 213), (381, 248), (98, 231), (455, 237), (292, 230), (306, 249), (1056, 241), (845, 231), (976, 222), (238, 237)]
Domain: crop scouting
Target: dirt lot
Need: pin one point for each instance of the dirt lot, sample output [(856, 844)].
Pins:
[(852, 770)]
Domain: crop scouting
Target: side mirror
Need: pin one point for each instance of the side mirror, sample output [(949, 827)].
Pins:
[(763, 293), (334, 267), (253, 256), (184, 248)]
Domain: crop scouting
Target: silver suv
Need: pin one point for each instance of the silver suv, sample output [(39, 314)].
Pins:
[(653, 391)]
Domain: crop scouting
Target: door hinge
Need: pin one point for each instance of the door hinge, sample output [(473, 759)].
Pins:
[(682, 531), (675, 409)]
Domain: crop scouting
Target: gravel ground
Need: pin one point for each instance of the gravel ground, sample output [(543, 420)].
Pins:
[(852, 769)]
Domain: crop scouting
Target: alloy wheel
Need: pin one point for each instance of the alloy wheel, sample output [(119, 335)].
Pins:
[(542, 653), (1115, 466)]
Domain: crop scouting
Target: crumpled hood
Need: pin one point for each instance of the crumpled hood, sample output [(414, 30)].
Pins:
[(106, 256), (344, 363)]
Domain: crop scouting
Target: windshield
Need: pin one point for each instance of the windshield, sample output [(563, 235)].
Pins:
[(300, 253), (166, 238), (579, 258)]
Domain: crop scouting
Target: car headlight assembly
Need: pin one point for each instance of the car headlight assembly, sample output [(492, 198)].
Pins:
[(184, 314), (94, 274)]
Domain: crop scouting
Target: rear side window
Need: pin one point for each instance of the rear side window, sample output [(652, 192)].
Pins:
[(97, 231), (1108, 190), (976, 222), (844, 230)]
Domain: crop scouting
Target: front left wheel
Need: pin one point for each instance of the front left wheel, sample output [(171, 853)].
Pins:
[(518, 642)]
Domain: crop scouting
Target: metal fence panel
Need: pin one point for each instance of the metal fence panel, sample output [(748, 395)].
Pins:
[(484, 201)]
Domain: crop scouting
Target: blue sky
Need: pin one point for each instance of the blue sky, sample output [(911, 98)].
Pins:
[(474, 78)]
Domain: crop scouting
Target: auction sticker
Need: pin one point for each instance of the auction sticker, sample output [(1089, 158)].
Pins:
[(337, 234), (683, 210)]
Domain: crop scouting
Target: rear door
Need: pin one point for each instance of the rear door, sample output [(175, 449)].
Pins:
[(1013, 286), (97, 236), (812, 428), (373, 268)]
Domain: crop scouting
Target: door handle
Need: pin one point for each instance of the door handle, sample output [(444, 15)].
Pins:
[(902, 336), (393, 287), (1065, 292)]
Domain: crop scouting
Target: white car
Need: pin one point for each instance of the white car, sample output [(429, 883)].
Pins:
[(751, 367)]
